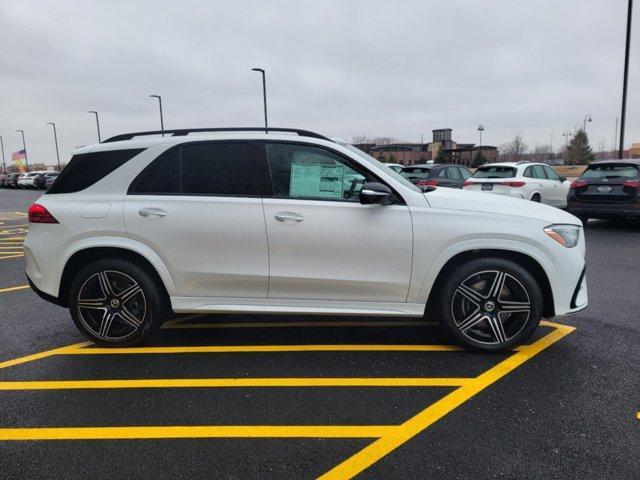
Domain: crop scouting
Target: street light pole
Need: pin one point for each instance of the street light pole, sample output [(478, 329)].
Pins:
[(4, 165), (551, 142), (161, 119), (587, 118), (264, 95), (480, 129), (97, 123), (55, 139), (625, 80), (24, 147)]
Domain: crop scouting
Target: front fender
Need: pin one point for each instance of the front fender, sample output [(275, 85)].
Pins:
[(422, 294)]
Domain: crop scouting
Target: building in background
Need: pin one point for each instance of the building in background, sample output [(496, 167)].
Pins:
[(413, 153)]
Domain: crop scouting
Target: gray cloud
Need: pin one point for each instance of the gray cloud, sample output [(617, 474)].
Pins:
[(396, 68)]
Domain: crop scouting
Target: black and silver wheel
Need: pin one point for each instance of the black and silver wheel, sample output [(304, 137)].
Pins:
[(491, 304), (115, 303)]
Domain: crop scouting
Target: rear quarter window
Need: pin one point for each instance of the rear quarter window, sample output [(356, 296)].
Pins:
[(85, 169)]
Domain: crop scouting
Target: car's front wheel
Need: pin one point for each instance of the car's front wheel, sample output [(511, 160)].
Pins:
[(490, 304), (116, 303)]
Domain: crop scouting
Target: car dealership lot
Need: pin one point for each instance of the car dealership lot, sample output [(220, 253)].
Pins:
[(250, 396)]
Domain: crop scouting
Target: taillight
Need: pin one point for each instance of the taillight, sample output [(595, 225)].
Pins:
[(577, 184), (631, 183), (39, 214), (514, 184), (428, 183), (467, 183)]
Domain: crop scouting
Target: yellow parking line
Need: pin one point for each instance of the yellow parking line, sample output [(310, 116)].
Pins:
[(236, 383), (173, 325), (11, 256), (383, 446), (13, 289), (262, 348), (213, 431), (38, 356)]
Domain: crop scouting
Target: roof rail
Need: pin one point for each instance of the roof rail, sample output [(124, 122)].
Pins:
[(187, 131)]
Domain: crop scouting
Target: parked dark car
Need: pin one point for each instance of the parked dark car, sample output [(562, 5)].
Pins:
[(12, 180), (607, 189), (436, 175), (50, 179), (41, 179)]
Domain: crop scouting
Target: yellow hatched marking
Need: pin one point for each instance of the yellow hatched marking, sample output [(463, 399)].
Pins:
[(387, 443), (11, 256), (236, 383), (47, 353)]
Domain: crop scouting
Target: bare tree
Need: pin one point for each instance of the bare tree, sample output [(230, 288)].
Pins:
[(513, 150), (359, 139)]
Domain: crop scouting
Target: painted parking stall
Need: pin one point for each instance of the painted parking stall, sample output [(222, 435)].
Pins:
[(450, 392)]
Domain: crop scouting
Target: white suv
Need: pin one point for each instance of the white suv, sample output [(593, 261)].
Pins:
[(530, 181), (241, 220)]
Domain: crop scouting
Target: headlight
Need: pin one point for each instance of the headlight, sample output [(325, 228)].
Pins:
[(565, 235)]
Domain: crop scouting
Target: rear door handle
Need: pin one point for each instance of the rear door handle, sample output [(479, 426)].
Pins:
[(288, 216), (152, 212)]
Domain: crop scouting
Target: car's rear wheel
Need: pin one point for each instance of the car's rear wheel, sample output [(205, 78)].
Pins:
[(536, 198), (490, 304), (116, 303)]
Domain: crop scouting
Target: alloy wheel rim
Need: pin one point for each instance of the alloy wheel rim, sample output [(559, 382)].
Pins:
[(491, 307), (111, 305)]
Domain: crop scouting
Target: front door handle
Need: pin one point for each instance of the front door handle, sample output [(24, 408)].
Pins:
[(288, 216), (152, 212)]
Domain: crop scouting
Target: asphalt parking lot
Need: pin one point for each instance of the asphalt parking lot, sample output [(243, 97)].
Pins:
[(250, 396)]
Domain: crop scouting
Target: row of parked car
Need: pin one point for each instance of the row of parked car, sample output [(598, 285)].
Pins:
[(36, 180), (606, 189)]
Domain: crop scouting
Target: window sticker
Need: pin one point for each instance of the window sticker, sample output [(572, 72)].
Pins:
[(316, 180)]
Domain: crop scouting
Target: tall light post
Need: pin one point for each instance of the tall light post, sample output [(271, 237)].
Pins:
[(55, 139), (587, 118), (264, 95), (566, 136), (551, 142), (480, 129), (4, 165), (625, 80), (161, 119), (97, 123), (24, 147)]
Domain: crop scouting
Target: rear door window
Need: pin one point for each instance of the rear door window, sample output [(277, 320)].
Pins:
[(85, 169), (214, 168), (539, 172), (220, 168)]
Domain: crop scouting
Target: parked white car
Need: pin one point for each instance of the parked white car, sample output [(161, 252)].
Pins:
[(530, 181), (290, 222), (396, 167)]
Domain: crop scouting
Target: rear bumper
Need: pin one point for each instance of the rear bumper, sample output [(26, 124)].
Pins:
[(604, 210), (43, 295)]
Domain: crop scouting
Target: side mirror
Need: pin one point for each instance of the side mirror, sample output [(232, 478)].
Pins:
[(374, 192), (563, 179)]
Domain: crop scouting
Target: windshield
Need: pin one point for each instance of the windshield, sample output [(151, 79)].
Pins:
[(610, 171), (495, 172), (415, 174), (373, 161)]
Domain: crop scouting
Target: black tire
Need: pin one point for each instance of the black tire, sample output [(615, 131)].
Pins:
[(536, 198), (132, 309), (500, 322)]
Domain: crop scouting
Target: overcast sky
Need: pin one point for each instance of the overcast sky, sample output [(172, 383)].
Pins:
[(394, 68)]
